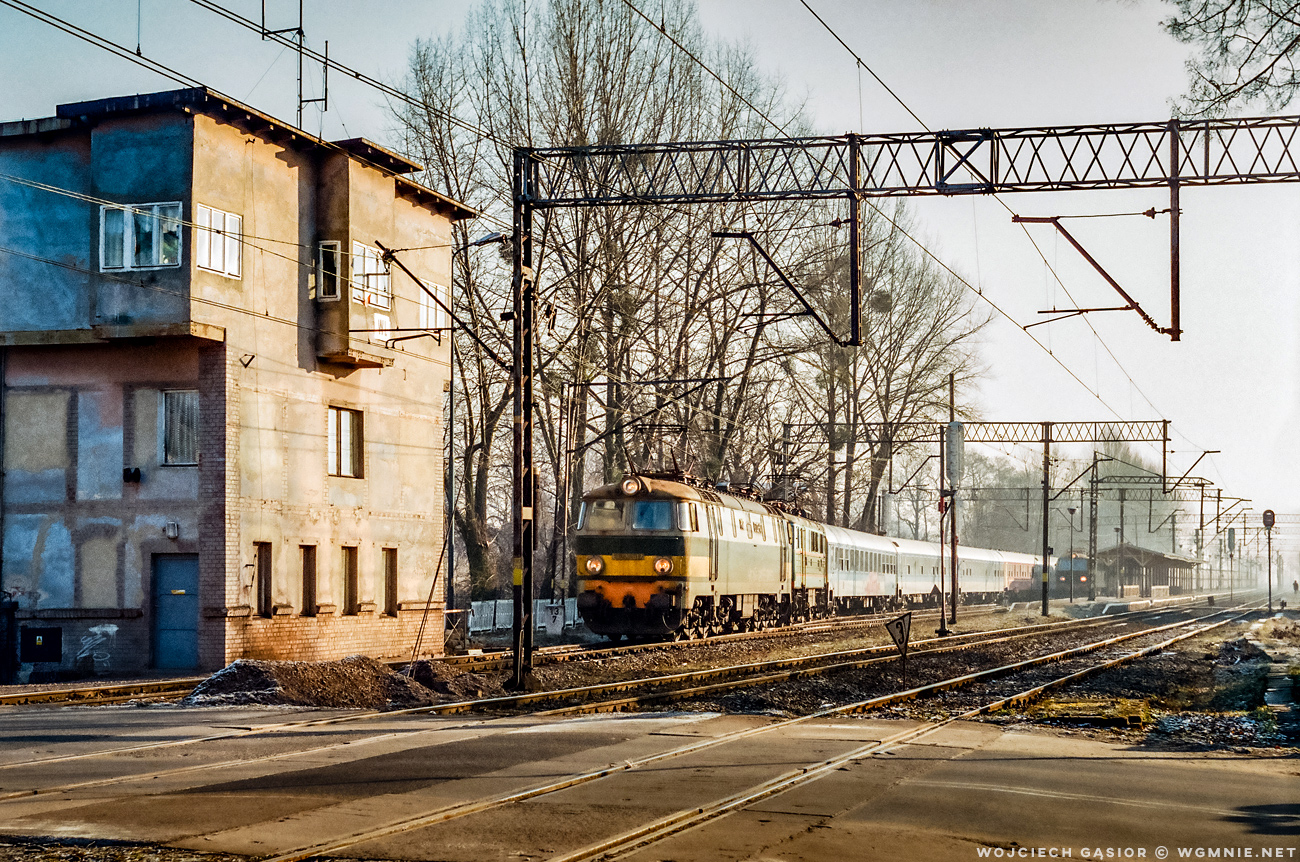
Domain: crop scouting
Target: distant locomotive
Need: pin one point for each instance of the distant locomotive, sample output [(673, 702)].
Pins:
[(663, 558), (1070, 578)]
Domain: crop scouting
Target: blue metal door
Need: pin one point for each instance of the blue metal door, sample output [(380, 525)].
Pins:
[(176, 611)]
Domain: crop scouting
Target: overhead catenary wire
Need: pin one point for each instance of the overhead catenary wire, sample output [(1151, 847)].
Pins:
[(1151, 213), (189, 296), (925, 250), (252, 25), (161, 69), (394, 92), (181, 78)]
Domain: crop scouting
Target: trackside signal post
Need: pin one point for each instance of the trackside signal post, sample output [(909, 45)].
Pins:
[(944, 505), (953, 466), (1269, 520), (1232, 542)]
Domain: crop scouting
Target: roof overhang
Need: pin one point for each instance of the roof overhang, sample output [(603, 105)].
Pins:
[(211, 103)]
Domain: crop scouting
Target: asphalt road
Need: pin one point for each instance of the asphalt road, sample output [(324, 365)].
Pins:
[(967, 791)]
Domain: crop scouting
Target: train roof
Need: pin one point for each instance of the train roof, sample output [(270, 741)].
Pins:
[(666, 489), (654, 488)]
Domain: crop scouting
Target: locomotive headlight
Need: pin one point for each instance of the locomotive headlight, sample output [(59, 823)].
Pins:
[(595, 565), (663, 565), (631, 486)]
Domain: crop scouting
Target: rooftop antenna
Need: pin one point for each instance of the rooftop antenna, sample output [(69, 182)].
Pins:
[(300, 37)]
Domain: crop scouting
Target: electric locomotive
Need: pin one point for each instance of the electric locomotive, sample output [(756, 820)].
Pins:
[(660, 558)]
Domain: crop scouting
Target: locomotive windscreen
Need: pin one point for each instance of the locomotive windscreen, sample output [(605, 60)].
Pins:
[(603, 515), (652, 515)]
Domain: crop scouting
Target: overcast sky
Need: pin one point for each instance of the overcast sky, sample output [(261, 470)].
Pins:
[(1232, 383)]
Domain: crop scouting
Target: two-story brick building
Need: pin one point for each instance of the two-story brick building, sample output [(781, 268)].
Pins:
[(222, 414)]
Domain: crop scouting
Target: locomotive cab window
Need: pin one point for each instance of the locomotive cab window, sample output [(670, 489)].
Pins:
[(688, 518), (652, 515), (602, 515)]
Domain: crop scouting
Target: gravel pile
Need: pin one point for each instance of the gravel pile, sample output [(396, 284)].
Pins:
[(356, 682), (448, 684)]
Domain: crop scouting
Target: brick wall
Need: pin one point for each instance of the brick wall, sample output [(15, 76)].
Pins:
[(219, 497), (331, 636)]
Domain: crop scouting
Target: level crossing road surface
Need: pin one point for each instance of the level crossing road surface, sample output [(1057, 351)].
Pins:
[(966, 791)]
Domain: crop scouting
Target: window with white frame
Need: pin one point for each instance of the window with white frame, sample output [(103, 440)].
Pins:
[(328, 259), (218, 240), (344, 442), (431, 314), (370, 280), (180, 426), (139, 236)]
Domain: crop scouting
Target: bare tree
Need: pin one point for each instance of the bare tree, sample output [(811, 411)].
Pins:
[(1246, 53), (660, 345), (918, 327)]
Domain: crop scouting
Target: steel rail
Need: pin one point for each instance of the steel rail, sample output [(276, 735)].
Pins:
[(751, 673), (101, 693), (680, 821), (160, 689), (461, 707), (820, 670), (688, 818), (570, 652)]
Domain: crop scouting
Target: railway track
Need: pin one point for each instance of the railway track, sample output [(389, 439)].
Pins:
[(165, 689), (500, 660), (175, 688), (654, 691), (657, 830), (675, 687)]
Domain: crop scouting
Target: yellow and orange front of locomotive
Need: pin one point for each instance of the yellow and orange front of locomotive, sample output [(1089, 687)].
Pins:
[(634, 581)]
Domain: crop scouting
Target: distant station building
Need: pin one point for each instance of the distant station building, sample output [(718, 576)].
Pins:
[(1140, 572), (222, 414)]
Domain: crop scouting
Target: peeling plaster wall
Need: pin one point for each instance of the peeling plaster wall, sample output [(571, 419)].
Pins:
[(80, 540), (46, 225), (77, 539), (99, 444)]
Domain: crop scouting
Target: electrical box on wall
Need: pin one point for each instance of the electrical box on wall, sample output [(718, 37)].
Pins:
[(41, 645)]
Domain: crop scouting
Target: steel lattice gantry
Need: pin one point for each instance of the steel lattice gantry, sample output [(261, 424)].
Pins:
[(854, 167), (976, 161), (1141, 431)]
